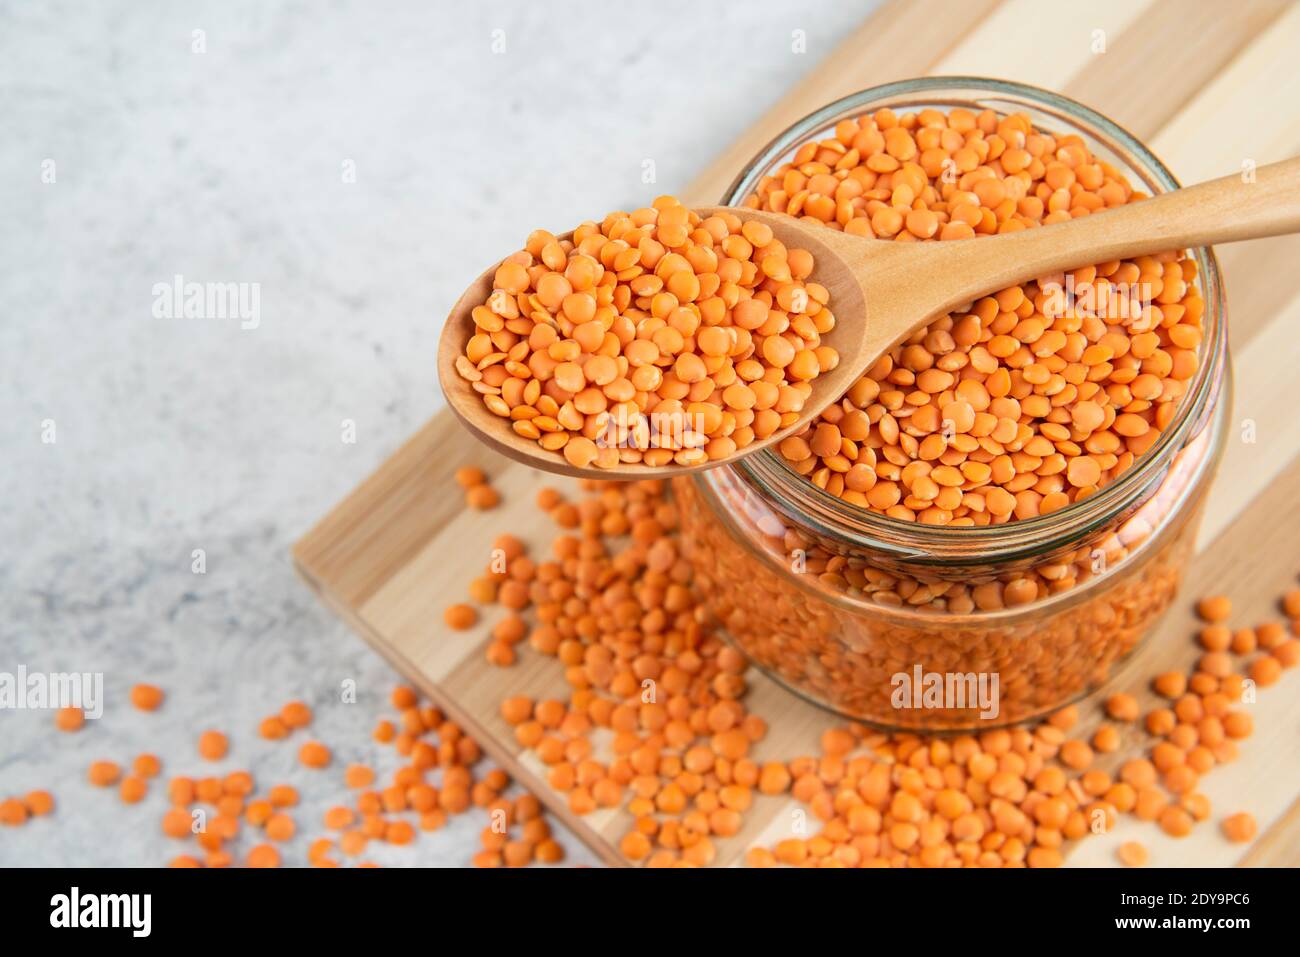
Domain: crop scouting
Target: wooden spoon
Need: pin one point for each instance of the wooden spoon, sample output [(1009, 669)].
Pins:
[(881, 292)]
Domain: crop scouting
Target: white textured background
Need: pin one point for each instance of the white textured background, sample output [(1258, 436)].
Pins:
[(177, 434)]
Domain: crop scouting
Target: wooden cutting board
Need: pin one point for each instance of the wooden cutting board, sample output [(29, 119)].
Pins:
[(1208, 89)]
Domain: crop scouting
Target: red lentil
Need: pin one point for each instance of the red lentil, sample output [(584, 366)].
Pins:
[(1214, 608), (1240, 828), (1133, 854), (313, 754), (70, 719), (213, 745), (146, 697), (104, 773)]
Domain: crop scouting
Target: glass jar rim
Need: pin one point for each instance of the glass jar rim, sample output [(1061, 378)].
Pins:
[(768, 472)]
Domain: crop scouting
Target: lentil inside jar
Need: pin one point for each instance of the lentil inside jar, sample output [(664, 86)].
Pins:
[(1013, 490)]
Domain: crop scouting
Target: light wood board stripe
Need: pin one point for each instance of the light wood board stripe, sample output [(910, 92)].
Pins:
[(1247, 113), (1265, 429), (1254, 282), (1280, 846), (1263, 779), (903, 38), (1142, 58), (1051, 41)]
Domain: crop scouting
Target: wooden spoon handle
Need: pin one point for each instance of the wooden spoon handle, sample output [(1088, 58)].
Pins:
[(1220, 211)]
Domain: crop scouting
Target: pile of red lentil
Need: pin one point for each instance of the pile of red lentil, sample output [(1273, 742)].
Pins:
[(212, 815), (613, 602), (1023, 402), (654, 337)]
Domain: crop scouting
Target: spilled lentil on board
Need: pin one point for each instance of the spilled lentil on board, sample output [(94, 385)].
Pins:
[(614, 605)]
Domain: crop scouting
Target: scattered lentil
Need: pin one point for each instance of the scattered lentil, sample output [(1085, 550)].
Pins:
[(313, 754), (460, 617), (1240, 827), (1008, 797), (295, 714), (39, 803), (70, 719), (133, 789), (1214, 608), (213, 745), (104, 774), (1132, 854), (146, 697)]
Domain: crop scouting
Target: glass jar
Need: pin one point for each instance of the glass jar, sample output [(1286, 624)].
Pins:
[(871, 616)]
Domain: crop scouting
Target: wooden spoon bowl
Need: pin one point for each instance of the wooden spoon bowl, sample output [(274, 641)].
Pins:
[(847, 338), (882, 292)]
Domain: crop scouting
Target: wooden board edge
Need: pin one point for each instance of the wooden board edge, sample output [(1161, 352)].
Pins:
[(305, 549), (352, 525), (838, 74), (1279, 846), (518, 772)]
